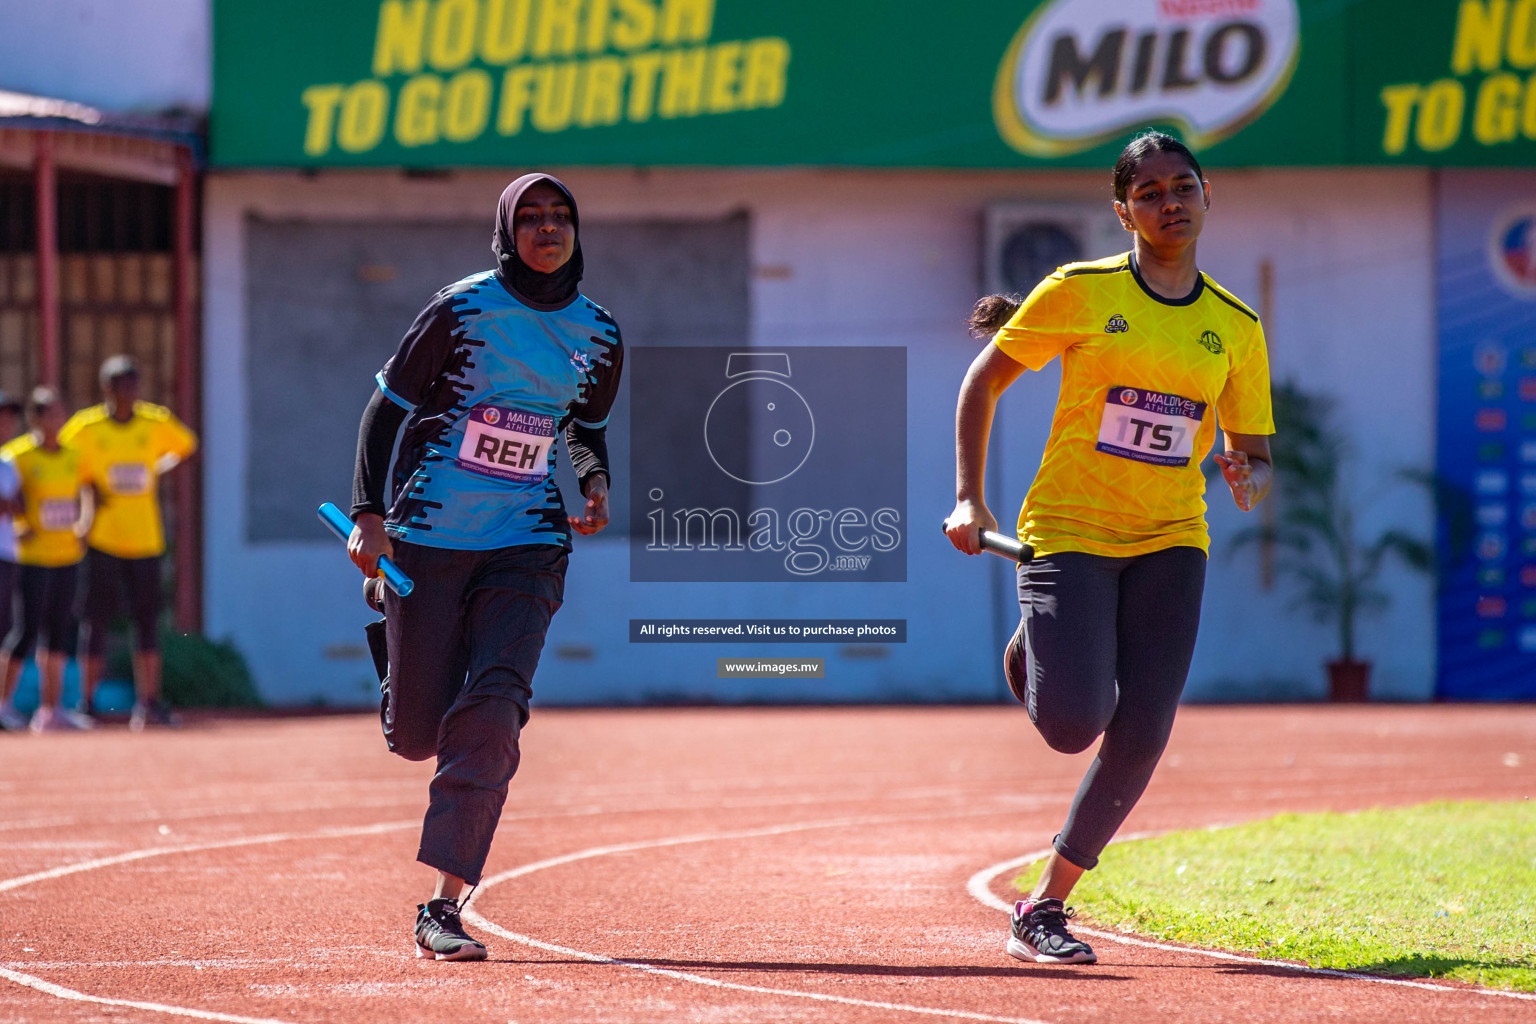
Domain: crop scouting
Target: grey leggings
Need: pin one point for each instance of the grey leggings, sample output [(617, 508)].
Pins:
[(1104, 646)]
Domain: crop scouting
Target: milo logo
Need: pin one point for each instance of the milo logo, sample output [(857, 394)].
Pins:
[(1082, 71)]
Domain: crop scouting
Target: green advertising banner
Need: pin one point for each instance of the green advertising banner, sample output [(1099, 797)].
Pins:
[(878, 83)]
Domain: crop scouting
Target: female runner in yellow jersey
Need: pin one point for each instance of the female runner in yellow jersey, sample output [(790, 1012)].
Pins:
[(1153, 354)]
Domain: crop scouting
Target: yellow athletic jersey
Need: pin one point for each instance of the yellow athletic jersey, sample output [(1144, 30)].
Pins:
[(122, 460), (1143, 382), (50, 494)]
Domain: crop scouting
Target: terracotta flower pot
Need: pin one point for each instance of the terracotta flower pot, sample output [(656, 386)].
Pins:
[(1349, 681)]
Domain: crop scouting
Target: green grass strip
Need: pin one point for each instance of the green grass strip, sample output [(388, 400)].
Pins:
[(1445, 890)]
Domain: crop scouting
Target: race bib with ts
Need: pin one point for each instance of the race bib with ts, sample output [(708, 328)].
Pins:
[(507, 443), (1149, 426)]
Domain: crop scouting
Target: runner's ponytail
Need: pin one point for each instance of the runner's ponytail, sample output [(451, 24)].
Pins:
[(991, 313)]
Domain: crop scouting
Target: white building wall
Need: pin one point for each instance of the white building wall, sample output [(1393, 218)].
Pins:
[(118, 55), (849, 257)]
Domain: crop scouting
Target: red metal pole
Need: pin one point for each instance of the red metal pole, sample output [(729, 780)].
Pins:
[(46, 180), (189, 523)]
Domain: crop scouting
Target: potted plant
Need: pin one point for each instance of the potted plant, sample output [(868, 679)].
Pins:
[(1317, 542)]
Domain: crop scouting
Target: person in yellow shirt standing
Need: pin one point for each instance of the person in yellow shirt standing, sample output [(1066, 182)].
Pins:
[(49, 550), (126, 446), (1153, 354), (10, 507)]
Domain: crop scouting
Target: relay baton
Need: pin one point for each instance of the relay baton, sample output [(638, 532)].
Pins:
[(1002, 544), (341, 526)]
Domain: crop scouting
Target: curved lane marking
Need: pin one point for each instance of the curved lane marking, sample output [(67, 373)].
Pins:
[(222, 844), (482, 922), (59, 991), (980, 887)]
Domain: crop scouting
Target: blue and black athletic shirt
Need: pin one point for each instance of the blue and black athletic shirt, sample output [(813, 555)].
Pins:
[(490, 384)]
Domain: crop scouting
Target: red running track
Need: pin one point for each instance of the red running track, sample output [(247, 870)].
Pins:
[(670, 865)]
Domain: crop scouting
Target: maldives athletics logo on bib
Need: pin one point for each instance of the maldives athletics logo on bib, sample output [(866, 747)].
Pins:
[(1082, 71)]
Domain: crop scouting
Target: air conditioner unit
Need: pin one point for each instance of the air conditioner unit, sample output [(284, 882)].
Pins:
[(1026, 241)]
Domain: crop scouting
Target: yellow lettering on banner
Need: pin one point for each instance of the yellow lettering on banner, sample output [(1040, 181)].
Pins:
[(766, 74), (505, 33), (402, 33), (416, 116), (1399, 101), (643, 71), (635, 26), (1528, 114), (602, 93), (559, 27), (364, 112), (599, 14), (1521, 44), (466, 105), (453, 33), (1496, 117), (724, 77), (1440, 113), (682, 83), (554, 100), (686, 21), (1479, 31), (321, 100), (516, 97)]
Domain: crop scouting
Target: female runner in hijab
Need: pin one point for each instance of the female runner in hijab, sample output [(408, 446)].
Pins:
[(491, 374)]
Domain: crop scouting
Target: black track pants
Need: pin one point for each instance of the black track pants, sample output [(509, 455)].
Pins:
[(109, 585), (8, 573), (47, 595), (1104, 646), (462, 650)]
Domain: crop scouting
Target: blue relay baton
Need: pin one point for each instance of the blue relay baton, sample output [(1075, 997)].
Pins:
[(341, 526)]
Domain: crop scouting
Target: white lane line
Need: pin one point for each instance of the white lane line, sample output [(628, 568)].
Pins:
[(698, 979), (222, 844), (980, 887), (60, 992)]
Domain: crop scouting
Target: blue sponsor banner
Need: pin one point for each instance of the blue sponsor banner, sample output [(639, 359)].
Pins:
[(1487, 434)]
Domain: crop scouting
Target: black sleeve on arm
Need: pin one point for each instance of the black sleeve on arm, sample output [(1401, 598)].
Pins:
[(375, 444), (589, 451), (425, 350), (586, 436)]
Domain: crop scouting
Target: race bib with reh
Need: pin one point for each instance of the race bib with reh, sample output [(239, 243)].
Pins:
[(1149, 426), (57, 513), (507, 443), (128, 478)]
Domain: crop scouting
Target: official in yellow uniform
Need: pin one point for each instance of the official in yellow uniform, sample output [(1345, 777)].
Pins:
[(126, 445), (49, 550), (1156, 357)]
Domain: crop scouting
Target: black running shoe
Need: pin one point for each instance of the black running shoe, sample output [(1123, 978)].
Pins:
[(1040, 934), (440, 936)]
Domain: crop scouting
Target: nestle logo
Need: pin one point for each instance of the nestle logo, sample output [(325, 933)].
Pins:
[(1207, 8)]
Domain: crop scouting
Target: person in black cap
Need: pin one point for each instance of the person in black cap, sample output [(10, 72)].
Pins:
[(126, 445), (495, 370)]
